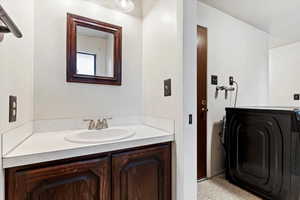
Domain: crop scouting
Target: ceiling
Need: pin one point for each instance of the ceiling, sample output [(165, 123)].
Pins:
[(112, 5), (279, 18)]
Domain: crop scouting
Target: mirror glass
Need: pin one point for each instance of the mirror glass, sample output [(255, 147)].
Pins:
[(95, 52)]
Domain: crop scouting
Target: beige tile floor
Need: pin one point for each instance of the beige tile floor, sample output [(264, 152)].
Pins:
[(219, 189)]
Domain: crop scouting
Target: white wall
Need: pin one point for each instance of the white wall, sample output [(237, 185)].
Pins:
[(16, 65), (54, 97), (284, 75), (159, 58), (238, 49), (16, 71)]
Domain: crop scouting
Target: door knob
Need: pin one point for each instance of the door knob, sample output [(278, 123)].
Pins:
[(204, 109)]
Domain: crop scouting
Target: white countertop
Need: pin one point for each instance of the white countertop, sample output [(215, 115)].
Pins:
[(43, 147)]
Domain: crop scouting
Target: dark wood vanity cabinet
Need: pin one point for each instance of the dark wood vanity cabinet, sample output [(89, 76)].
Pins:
[(136, 174), (82, 180), (142, 174)]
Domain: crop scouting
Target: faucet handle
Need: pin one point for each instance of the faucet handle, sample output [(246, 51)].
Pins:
[(92, 124), (104, 122)]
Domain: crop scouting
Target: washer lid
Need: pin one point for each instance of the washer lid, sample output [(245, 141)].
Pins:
[(283, 108)]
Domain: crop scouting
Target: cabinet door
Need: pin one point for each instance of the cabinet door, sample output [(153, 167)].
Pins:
[(142, 174), (84, 180), (255, 152)]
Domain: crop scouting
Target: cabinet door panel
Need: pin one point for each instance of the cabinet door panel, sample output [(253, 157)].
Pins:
[(84, 180), (142, 174), (255, 152)]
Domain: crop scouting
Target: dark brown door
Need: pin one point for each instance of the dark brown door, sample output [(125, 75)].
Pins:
[(202, 100), (84, 180), (142, 174)]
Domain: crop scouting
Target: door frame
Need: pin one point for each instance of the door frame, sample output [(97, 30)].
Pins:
[(202, 171)]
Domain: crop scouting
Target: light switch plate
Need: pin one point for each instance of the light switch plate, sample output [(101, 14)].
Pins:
[(231, 80), (167, 88), (214, 80), (190, 119), (12, 109)]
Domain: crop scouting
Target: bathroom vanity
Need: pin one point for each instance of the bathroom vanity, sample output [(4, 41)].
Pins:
[(54, 169), (140, 173)]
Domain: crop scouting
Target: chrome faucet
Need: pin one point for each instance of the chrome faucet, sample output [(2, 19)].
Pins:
[(99, 125)]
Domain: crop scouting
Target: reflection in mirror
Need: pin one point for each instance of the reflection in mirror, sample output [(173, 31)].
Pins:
[(94, 52)]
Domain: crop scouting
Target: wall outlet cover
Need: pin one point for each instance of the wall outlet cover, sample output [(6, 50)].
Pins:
[(167, 88)]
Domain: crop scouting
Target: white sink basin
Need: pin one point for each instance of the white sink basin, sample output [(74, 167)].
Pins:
[(100, 136)]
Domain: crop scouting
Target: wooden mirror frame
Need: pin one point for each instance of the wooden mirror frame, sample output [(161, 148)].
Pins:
[(72, 22)]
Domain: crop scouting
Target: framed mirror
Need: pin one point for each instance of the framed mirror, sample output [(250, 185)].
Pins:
[(94, 51)]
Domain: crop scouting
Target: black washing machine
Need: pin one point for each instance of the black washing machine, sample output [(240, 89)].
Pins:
[(263, 151)]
